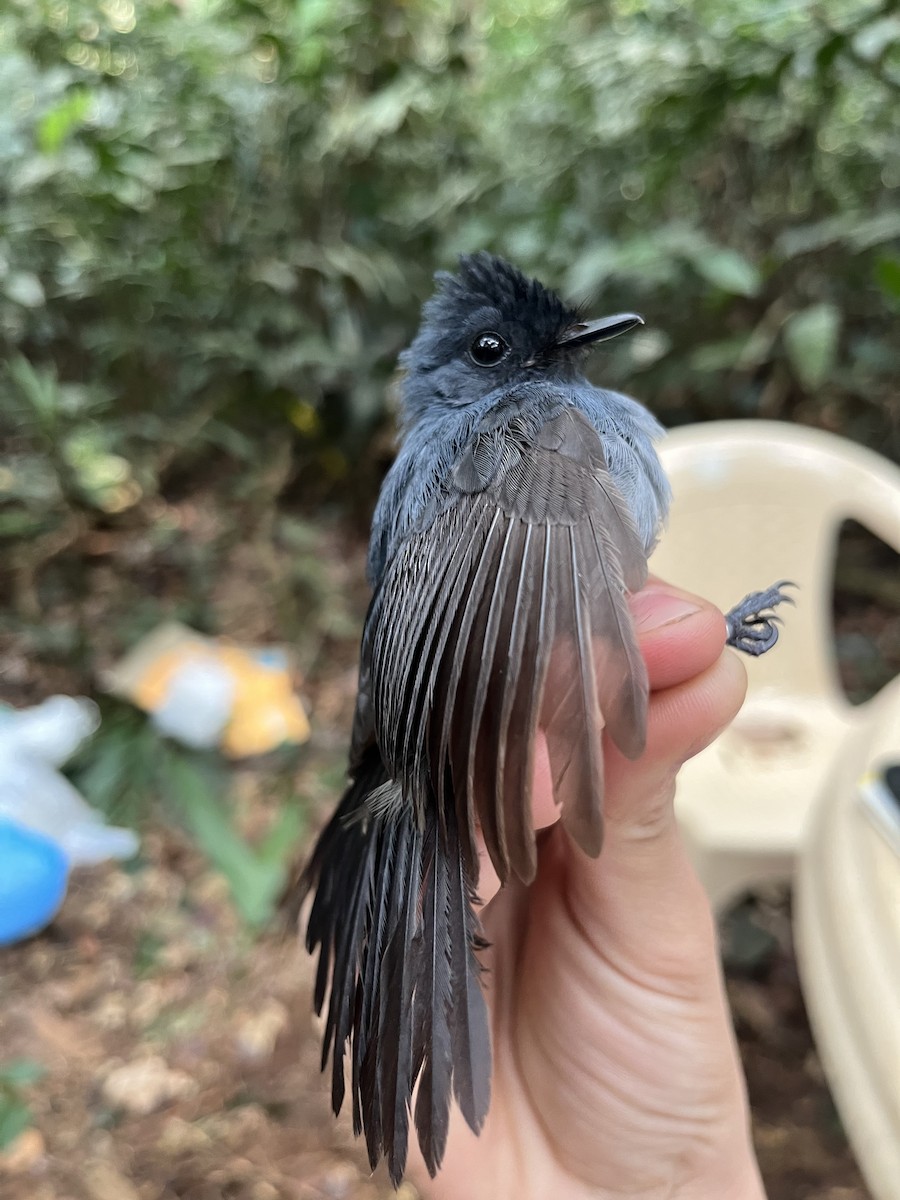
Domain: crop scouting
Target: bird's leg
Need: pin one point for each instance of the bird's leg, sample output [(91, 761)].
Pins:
[(753, 629)]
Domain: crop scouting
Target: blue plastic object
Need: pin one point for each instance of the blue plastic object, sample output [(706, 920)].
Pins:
[(34, 872)]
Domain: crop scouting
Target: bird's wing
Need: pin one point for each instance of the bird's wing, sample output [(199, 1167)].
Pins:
[(509, 613)]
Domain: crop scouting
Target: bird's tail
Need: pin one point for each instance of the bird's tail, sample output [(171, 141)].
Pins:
[(397, 934)]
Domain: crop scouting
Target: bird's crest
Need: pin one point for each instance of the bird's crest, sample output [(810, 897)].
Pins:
[(483, 280)]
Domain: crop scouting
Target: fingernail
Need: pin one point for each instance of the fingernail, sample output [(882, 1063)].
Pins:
[(653, 609)]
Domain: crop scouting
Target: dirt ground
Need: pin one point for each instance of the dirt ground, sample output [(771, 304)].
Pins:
[(181, 1056)]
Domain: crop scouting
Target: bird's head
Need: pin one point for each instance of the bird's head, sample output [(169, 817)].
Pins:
[(488, 327)]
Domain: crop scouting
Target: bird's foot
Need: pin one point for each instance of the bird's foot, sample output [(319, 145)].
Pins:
[(753, 629)]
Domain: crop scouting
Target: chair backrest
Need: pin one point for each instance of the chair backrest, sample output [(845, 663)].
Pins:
[(760, 501)]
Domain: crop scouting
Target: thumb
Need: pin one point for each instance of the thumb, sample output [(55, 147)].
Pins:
[(696, 688)]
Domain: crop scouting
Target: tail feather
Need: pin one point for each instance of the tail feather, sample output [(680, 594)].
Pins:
[(432, 1039), (368, 1053), (366, 1080), (392, 1048), (341, 1015), (469, 1032), (397, 937)]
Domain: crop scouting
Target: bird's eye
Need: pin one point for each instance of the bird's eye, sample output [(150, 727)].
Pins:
[(488, 349)]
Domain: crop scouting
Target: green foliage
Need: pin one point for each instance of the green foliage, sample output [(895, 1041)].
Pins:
[(128, 770), (15, 1115), (811, 341), (256, 875), (221, 217), (67, 434)]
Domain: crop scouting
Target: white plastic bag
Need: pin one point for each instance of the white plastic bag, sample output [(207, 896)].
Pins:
[(33, 743)]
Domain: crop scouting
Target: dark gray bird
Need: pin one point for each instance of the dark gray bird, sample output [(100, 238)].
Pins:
[(511, 529)]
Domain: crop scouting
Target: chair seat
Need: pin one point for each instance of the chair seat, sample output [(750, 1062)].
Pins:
[(745, 803)]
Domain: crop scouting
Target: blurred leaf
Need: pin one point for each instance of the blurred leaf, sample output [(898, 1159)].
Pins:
[(15, 1117), (361, 124), (17, 523), (21, 1071), (811, 341), (282, 839), (718, 356), (887, 272), (728, 270), (114, 772), (860, 231), (254, 876), (873, 39), (24, 288), (277, 275), (38, 389), (56, 125)]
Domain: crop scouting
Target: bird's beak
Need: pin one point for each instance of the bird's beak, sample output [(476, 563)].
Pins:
[(586, 332)]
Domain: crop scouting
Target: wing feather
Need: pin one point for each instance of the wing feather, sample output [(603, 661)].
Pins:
[(482, 725), (509, 612), (520, 704), (574, 726)]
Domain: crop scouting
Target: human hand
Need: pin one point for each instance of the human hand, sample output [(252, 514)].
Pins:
[(615, 1067)]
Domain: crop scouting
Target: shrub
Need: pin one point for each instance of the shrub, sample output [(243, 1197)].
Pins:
[(218, 220)]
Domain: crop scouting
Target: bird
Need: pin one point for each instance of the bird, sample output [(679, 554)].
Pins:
[(513, 525)]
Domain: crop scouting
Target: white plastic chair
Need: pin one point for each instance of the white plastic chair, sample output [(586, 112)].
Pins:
[(757, 502), (847, 933)]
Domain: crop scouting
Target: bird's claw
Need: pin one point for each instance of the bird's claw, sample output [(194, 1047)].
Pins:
[(751, 628)]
